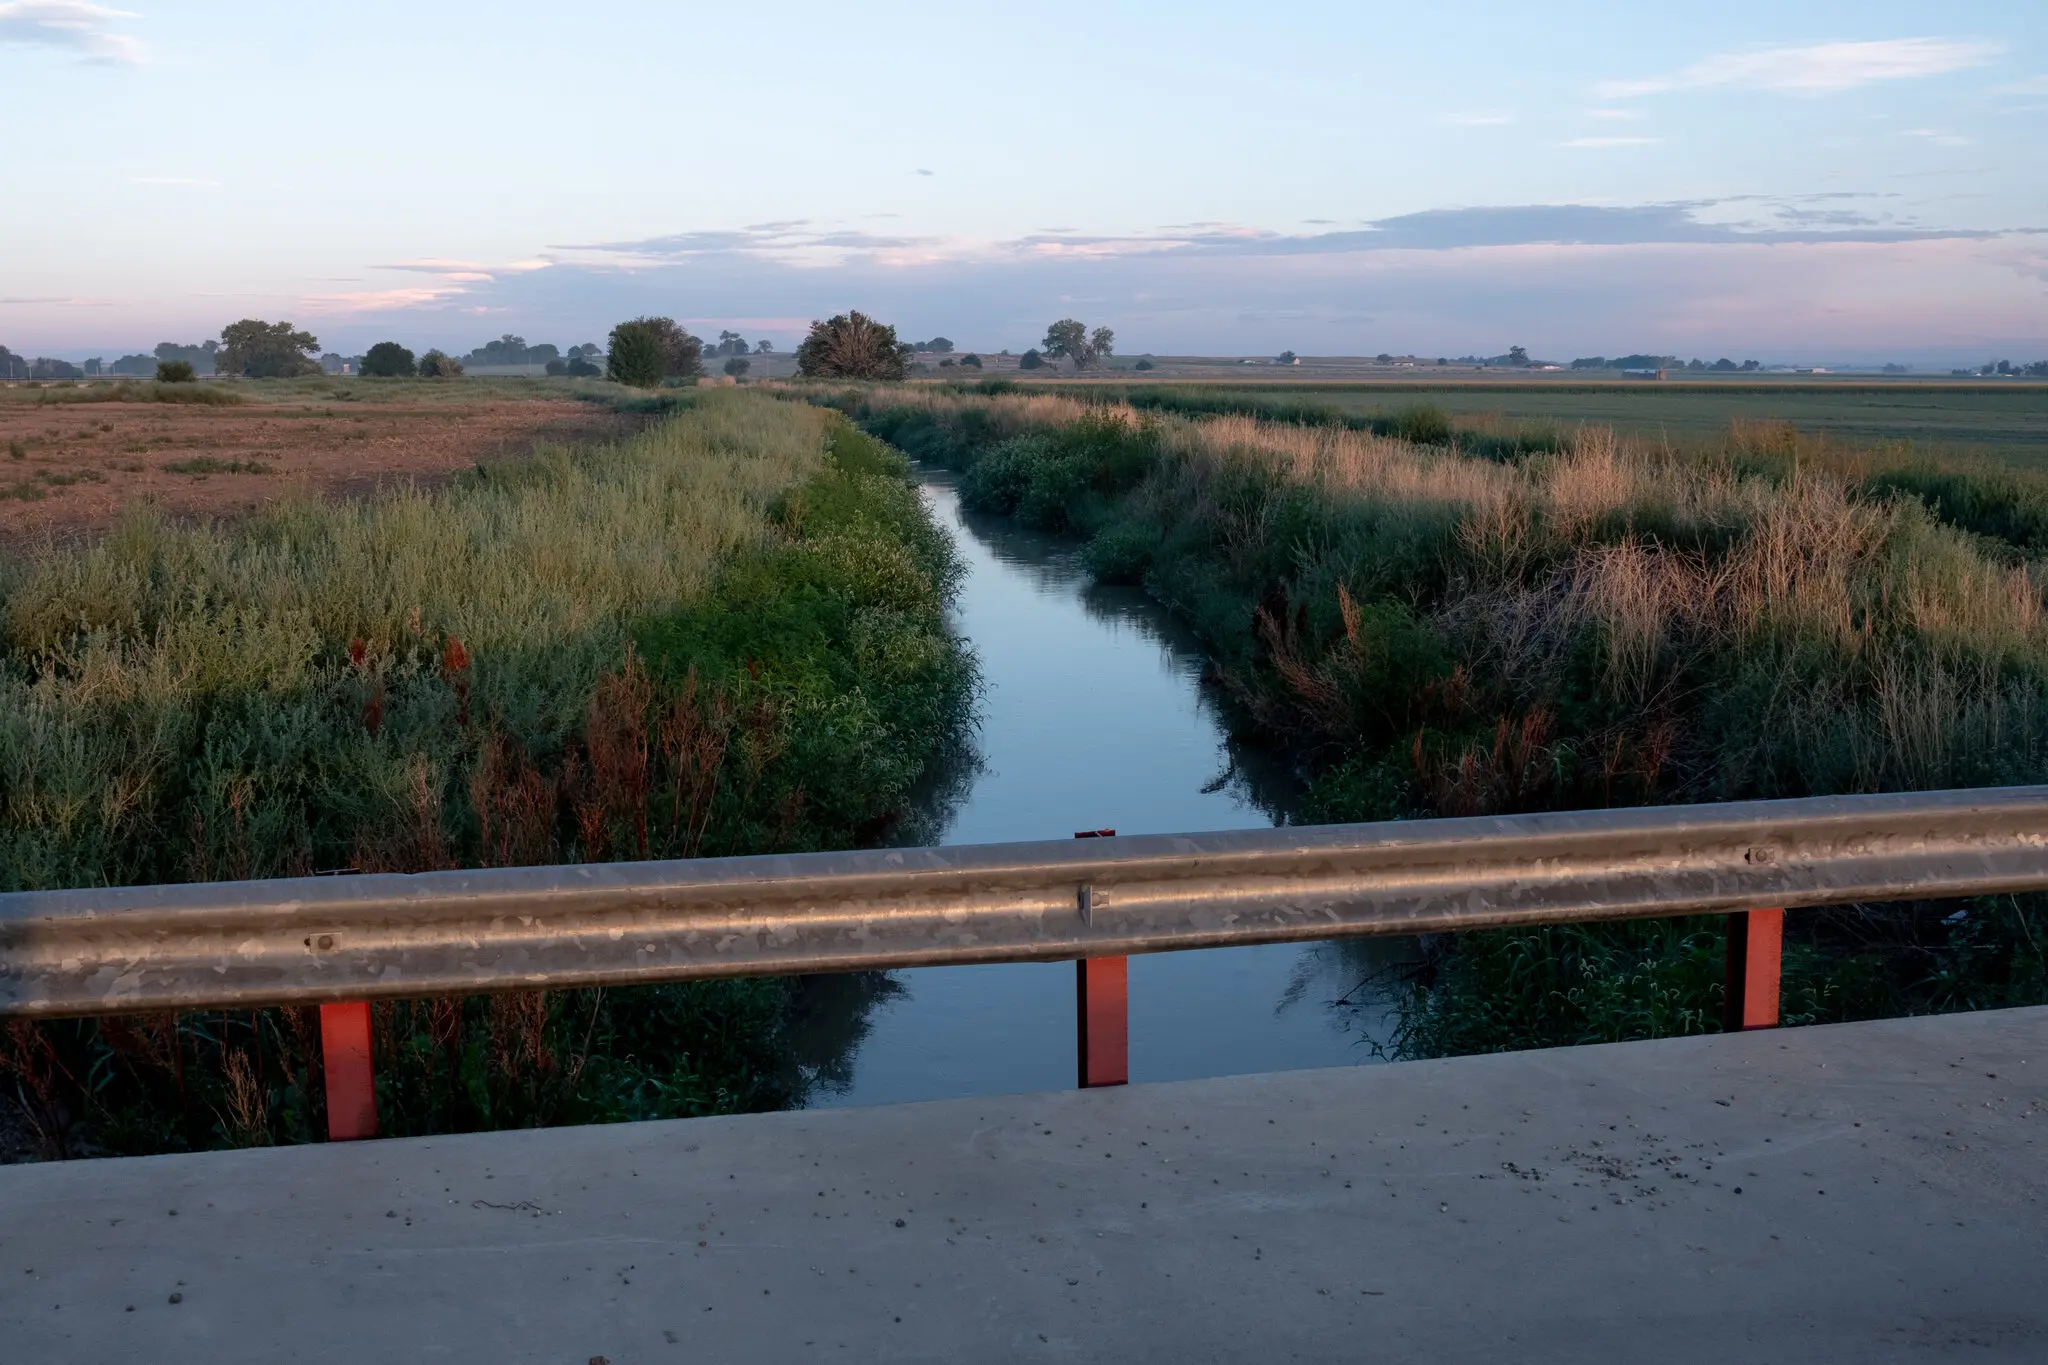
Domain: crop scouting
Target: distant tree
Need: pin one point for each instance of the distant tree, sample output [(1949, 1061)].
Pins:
[(13, 366), (947, 363), (542, 354), (970, 361), (636, 357), (1030, 360), (730, 343), (266, 350), (174, 372), (1517, 356), (1724, 365), (1070, 340), (438, 364), (127, 364), (936, 346), (1441, 360), (506, 350), (582, 368), (737, 366), (202, 356), (45, 367), (2038, 370), (852, 345), (388, 360), (764, 347), (1383, 359), (1751, 366), (93, 367), (559, 366), (1286, 357), (1143, 365)]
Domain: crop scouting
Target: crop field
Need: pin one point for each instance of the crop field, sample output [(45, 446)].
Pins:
[(2005, 422), (70, 458)]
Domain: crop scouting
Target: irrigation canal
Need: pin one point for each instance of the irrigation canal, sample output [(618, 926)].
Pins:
[(1095, 717)]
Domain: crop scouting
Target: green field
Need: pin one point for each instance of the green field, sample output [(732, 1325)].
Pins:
[(2007, 422)]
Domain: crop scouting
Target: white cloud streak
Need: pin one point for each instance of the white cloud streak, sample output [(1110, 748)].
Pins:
[(1610, 142), (1822, 69), (71, 26)]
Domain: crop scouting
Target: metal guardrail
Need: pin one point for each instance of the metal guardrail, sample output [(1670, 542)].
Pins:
[(327, 939)]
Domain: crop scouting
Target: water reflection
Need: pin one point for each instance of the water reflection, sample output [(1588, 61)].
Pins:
[(1096, 715)]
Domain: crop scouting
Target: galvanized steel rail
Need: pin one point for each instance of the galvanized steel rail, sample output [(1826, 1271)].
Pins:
[(330, 939)]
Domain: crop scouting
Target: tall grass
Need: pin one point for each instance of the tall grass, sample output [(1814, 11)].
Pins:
[(1607, 623), (725, 634)]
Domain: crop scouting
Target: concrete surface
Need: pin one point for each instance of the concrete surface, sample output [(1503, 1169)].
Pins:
[(1871, 1192)]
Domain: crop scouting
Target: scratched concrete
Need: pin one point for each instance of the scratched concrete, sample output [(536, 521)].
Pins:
[(1865, 1193)]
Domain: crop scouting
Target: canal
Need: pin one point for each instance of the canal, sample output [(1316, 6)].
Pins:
[(1095, 716)]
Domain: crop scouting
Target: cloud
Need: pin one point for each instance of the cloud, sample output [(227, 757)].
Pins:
[(1610, 142), (1481, 118), (2033, 85), (1823, 69), (1614, 113), (922, 171), (1937, 137), (179, 180), (72, 26)]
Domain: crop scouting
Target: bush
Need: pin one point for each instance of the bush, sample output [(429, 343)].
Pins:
[(1143, 365), (438, 364), (970, 361), (174, 372), (558, 367), (636, 357), (737, 366), (389, 360), (852, 345), (1030, 360)]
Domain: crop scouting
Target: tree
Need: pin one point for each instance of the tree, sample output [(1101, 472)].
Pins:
[(12, 366), (636, 356), (730, 343), (737, 366), (44, 367), (1030, 360), (265, 350), (1069, 339), (1383, 359), (970, 361), (174, 372), (388, 360), (1517, 356), (936, 346), (852, 345), (1143, 365), (764, 347), (682, 355), (1287, 357), (438, 364)]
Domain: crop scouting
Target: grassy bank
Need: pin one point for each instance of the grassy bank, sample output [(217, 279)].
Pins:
[(1606, 623), (723, 635), (1995, 421)]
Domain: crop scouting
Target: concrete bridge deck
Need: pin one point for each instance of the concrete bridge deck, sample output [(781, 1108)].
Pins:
[(1871, 1192)]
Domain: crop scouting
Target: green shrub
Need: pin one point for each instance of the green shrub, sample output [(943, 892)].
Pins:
[(174, 372), (636, 357), (438, 364), (852, 345), (389, 360)]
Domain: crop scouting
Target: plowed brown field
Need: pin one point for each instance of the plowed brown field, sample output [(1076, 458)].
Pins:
[(68, 469)]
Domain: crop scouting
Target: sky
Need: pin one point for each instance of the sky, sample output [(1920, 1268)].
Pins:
[(1825, 181)]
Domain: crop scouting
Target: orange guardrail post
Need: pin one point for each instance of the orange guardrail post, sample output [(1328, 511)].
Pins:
[(351, 1082), (1102, 1015), (1756, 942)]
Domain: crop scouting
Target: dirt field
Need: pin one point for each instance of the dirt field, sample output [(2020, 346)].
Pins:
[(67, 469)]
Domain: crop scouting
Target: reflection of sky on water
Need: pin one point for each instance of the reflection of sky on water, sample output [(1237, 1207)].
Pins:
[(1094, 717)]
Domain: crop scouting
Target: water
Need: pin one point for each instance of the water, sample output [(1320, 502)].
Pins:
[(1095, 717)]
